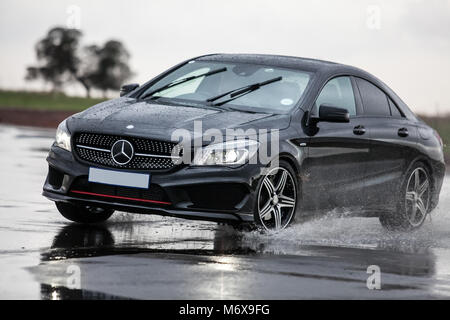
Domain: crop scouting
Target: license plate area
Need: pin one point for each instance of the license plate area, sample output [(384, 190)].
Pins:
[(119, 178)]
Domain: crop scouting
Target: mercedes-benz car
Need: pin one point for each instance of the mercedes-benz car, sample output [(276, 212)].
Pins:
[(249, 140)]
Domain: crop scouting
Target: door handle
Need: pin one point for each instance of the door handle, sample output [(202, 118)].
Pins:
[(359, 130), (403, 132)]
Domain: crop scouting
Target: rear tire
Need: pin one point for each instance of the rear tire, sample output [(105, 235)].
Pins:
[(414, 203), (83, 214)]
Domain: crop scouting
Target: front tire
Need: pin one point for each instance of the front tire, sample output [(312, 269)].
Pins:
[(414, 203), (83, 214), (277, 198)]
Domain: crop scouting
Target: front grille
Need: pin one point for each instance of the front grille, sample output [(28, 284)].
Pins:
[(155, 195), (148, 154)]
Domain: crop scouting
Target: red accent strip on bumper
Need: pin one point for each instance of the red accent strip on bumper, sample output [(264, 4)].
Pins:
[(119, 197)]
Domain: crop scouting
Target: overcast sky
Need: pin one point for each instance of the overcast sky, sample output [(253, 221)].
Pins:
[(405, 43)]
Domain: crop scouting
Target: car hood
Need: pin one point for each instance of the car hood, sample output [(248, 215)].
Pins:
[(149, 118)]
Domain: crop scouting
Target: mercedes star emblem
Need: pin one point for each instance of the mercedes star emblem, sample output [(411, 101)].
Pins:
[(122, 152)]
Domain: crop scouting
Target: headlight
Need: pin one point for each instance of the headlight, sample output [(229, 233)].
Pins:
[(234, 152), (63, 136)]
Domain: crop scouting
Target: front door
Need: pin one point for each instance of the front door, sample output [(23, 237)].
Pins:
[(337, 153)]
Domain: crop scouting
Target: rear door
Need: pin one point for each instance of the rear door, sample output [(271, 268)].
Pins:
[(338, 152), (392, 135)]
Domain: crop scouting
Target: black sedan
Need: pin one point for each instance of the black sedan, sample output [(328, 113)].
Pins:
[(249, 140)]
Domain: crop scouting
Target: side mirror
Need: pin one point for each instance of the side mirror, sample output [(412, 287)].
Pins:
[(333, 114), (128, 88)]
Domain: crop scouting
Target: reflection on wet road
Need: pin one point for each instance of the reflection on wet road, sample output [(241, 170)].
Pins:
[(137, 256)]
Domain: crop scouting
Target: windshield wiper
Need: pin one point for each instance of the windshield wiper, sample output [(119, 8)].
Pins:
[(180, 81), (239, 92), (245, 110)]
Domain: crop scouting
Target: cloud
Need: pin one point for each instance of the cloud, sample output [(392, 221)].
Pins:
[(411, 46), (427, 21)]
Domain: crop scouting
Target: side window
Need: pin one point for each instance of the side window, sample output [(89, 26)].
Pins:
[(338, 92), (374, 100), (394, 109)]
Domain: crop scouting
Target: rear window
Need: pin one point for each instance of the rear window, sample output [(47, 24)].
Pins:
[(375, 101), (394, 109)]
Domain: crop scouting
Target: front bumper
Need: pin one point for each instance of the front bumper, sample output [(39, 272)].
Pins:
[(201, 193)]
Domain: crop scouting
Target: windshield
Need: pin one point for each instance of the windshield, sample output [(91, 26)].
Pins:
[(277, 96)]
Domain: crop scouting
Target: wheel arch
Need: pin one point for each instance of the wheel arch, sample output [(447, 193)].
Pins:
[(291, 160), (297, 170), (426, 162)]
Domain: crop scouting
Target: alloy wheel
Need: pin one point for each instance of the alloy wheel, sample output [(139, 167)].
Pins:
[(417, 199), (277, 199)]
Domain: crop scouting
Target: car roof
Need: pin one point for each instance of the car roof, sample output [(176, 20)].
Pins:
[(306, 64)]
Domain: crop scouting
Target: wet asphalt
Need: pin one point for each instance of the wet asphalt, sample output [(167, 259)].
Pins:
[(44, 256)]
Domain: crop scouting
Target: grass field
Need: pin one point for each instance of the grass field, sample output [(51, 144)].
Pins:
[(44, 101), (60, 102)]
